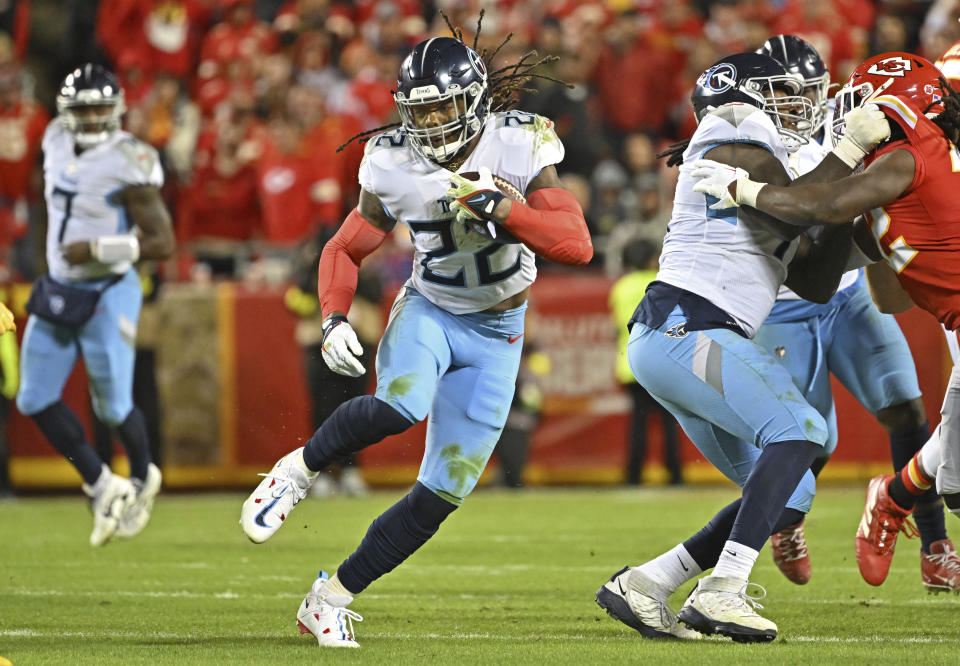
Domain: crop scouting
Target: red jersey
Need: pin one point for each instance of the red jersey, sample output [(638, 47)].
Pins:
[(919, 233)]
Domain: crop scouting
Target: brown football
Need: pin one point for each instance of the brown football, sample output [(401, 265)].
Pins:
[(502, 184)]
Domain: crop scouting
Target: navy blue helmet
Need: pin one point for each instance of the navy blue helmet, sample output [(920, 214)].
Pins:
[(758, 80), (447, 75), (90, 104), (800, 58)]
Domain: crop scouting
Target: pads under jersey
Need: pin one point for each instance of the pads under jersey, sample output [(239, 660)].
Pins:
[(919, 233), (800, 162), (80, 193), (454, 267), (719, 254)]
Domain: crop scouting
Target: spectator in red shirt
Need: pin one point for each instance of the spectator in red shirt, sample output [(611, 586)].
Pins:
[(239, 36), (22, 123), (163, 33)]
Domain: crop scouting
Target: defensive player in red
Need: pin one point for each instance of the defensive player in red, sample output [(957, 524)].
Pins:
[(909, 195)]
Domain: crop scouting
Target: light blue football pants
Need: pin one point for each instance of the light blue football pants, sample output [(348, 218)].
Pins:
[(106, 342), (457, 371), (729, 395)]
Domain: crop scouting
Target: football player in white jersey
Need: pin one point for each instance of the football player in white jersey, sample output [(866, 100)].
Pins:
[(847, 336), (691, 347), (102, 188), (451, 350)]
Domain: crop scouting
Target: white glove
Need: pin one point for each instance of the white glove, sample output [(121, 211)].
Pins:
[(715, 179), (341, 349), (866, 127)]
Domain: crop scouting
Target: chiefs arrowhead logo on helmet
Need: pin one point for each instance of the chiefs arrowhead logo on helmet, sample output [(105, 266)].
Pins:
[(895, 66)]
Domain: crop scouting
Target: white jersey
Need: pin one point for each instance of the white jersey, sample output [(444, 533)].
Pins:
[(81, 191), (454, 267), (719, 254), (803, 161)]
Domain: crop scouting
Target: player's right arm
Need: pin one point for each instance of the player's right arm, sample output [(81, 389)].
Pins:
[(364, 230)]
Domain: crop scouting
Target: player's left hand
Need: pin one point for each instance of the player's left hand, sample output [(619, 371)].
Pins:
[(475, 201), (77, 252), (715, 180), (6, 320)]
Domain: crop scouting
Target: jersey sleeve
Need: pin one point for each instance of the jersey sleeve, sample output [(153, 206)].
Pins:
[(381, 170), (139, 163), (528, 144)]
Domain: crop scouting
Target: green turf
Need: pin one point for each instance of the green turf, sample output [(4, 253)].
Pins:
[(510, 579)]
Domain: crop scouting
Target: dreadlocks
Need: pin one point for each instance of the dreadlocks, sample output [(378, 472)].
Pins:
[(506, 83), (949, 119), (674, 153)]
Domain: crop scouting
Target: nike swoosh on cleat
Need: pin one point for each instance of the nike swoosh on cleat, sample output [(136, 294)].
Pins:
[(259, 519), (514, 339), (620, 585)]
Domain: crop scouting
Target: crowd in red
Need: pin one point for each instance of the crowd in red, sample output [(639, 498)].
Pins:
[(248, 100)]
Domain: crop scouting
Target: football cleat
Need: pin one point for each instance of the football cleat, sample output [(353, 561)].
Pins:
[(790, 553), (638, 601), (721, 605), (108, 502), (941, 568), (326, 617), (881, 523), (136, 517), (272, 501)]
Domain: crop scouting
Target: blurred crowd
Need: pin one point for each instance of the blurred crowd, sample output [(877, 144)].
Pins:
[(248, 101)]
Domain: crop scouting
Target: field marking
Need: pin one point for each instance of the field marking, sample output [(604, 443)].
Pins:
[(927, 601), (483, 636)]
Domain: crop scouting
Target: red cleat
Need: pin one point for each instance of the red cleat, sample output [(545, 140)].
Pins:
[(882, 521), (941, 568), (790, 553)]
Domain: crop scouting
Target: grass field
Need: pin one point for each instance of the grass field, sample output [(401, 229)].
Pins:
[(509, 579)]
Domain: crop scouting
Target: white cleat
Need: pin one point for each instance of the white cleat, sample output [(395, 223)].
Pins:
[(721, 606), (638, 601), (272, 501), (137, 516), (326, 616), (111, 497)]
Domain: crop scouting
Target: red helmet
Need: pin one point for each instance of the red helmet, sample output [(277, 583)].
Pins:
[(903, 75)]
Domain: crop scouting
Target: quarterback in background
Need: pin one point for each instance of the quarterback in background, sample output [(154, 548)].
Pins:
[(451, 350), (102, 188), (908, 193)]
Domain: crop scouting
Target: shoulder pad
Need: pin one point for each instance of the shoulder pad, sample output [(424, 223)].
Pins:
[(898, 110), (396, 138), (139, 156), (735, 113)]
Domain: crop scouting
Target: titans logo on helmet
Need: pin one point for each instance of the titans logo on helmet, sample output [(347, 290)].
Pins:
[(720, 78)]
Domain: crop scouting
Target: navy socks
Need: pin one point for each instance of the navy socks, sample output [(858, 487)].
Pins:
[(132, 433), (394, 536), (63, 429), (354, 425)]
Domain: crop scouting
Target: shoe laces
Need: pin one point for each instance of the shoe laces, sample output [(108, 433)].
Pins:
[(346, 618), (285, 481), (753, 600), (947, 561), (793, 545), (887, 526)]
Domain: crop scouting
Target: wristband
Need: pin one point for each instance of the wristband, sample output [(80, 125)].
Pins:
[(848, 152), (114, 249), (331, 323), (747, 192)]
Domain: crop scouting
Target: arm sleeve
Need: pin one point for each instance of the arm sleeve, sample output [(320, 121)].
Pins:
[(552, 225), (340, 261)]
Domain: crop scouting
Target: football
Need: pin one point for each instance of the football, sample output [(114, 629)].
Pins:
[(502, 184)]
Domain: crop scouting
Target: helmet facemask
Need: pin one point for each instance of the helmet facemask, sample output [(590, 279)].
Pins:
[(791, 113), (441, 143), (820, 86), (91, 128)]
